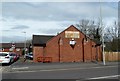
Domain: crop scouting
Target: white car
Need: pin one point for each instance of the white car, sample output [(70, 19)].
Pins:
[(6, 57), (29, 56)]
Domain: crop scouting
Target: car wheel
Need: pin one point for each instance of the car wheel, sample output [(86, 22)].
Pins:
[(10, 62)]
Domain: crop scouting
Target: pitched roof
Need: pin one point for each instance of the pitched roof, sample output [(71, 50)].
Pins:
[(40, 40), (17, 45)]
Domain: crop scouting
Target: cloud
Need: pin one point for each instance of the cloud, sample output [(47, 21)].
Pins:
[(62, 11), (20, 27), (9, 39), (51, 31), (35, 1), (44, 18), (6, 30), (16, 27)]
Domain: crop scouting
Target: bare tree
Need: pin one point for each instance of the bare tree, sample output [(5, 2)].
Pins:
[(112, 36), (86, 26), (113, 31), (91, 29)]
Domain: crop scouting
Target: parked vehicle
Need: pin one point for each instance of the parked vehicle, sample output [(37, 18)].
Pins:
[(15, 56), (5, 57), (29, 56)]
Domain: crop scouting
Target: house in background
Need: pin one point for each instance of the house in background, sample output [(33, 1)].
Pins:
[(71, 45), (14, 47)]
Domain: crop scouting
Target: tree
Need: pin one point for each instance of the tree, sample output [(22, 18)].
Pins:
[(91, 29), (113, 37), (113, 31)]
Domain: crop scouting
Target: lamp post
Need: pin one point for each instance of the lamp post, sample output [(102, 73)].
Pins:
[(24, 42), (102, 35)]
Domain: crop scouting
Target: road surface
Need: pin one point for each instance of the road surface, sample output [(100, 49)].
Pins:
[(74, 71)]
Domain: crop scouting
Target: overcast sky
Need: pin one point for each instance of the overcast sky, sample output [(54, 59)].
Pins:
[(49, 18)]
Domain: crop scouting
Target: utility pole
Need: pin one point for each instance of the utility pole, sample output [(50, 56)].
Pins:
[(24, 42), (101, 26)]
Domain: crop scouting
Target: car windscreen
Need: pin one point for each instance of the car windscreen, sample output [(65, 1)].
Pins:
[(3, 54), (31, 54), (12, 54)]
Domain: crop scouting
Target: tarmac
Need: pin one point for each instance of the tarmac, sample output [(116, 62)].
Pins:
[(31, 66)]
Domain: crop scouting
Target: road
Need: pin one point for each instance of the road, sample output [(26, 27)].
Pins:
[(77, 71)]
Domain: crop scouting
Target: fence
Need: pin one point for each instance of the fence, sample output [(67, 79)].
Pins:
[(112, 56)]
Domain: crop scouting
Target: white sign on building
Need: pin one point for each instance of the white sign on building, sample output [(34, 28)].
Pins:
[(72, 34)]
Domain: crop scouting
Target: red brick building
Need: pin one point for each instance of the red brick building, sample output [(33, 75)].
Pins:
[(71, 45)]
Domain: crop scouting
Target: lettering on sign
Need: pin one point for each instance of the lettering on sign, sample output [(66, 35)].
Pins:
[(72, 34)]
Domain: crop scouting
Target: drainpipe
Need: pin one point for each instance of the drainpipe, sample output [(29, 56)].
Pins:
[(59, 50), (83, 49), (59, 43)]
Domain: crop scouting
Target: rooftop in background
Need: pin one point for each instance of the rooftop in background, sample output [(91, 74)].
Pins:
[(17, 45)]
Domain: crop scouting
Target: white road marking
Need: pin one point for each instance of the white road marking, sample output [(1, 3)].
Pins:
[(22, 71), (56, 69), (20, 68), (1, 69), (74, 68), (104, 77)]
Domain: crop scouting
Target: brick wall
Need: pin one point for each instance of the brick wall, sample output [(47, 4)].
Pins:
[(37, 52), (60, 50)]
